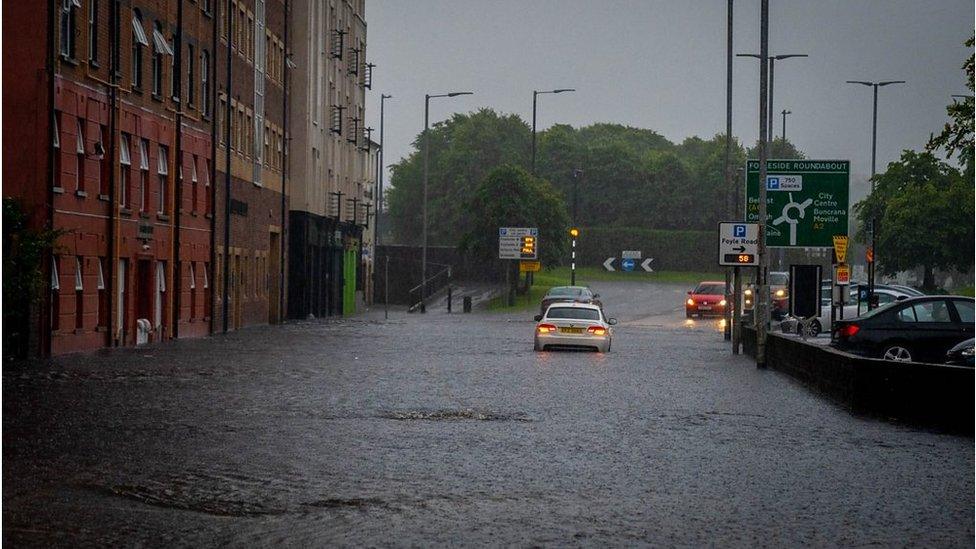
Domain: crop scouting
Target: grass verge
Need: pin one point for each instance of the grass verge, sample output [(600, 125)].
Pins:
[(585, 275)]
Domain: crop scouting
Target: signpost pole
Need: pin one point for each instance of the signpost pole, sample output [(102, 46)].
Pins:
[(762, 299), (736, 309)]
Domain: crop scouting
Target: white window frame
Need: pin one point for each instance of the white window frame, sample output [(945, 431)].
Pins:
[(162, 162), (80, 141), (144, 154), (139, 32), (193, 278), (55, 277), (162, 46), (206, 278), (101, 275), (57, 132), (79, 274)]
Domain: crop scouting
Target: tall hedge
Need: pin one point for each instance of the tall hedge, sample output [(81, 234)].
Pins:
[(672, 250)]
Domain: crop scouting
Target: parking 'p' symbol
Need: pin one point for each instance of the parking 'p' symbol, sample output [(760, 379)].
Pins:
[(739, 231)]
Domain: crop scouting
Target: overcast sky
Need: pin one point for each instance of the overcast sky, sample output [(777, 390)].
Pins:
[(661, 65)]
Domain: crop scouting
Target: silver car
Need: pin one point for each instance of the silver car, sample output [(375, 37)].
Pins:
[(574, 326)]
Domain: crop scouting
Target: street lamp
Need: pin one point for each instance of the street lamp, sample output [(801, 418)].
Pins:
[(772, 68), (784, 113), (423, 260), (535, 95), (874, 153)]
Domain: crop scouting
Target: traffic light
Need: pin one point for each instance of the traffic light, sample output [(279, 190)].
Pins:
[(528, 250), (574, 232)]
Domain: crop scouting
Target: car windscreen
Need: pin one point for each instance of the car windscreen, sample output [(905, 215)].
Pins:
[(779, 279), (710, 289), (565, 291), (573, 313)]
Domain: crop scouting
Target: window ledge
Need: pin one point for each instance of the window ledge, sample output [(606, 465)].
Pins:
[(93, 63), (143, 215), (162, 217), (58, 190), (104, 197), (157, 97), (208, 215), (125, 212), (101, 328), (69, 60), (82, 194), (194, 213)]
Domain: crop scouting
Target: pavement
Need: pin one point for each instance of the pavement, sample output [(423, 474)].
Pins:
[(442, 429)]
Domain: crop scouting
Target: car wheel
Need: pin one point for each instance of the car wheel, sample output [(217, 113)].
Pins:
[(536, 346), (897, 352), (815, 328)]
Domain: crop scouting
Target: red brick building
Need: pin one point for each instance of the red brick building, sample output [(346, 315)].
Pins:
[(251, 181), (92, 148)]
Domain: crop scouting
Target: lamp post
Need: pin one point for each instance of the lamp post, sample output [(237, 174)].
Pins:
[(730, 273), (874, 156), (379, 176), (535, 95), (772, 68), (423, 259), (784, 113)]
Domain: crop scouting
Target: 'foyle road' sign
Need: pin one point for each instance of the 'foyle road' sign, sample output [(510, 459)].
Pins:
[(807, 201)]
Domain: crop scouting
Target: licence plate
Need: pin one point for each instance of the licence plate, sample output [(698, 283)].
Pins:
[(571, 330), (704, 307)]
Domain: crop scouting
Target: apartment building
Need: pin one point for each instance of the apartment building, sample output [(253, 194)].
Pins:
[(108, 141), (251, 158), (330, 196)]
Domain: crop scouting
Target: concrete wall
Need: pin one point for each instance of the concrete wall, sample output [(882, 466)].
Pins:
[(931, 394)]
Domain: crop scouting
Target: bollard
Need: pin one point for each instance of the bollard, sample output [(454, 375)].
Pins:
[(449, 292), (467, 304)]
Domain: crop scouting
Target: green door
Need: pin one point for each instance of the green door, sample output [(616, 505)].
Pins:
[(349, 282)]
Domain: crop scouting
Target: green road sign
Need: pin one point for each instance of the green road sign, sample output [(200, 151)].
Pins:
[(807, 201)]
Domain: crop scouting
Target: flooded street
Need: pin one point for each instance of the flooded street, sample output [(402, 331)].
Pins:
[(445, 429)]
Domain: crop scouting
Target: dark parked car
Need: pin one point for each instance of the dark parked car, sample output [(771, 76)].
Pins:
[(962, 354), (568, 294), (919, 329)]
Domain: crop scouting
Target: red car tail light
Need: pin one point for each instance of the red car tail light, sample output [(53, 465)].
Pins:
[(545, 328), (597, 330), (849, 330)]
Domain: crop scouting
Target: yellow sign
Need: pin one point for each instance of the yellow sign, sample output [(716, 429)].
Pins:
[(843, 275), (840, 248), (530, 266)]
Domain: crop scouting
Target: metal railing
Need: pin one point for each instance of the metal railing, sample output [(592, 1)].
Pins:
[(435, 283)]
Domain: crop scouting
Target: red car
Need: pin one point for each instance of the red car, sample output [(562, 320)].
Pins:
[(707, 299)]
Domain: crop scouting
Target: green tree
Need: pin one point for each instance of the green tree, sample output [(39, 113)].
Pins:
[(509, 196), (957, 135), (924, 212), (463, 150), (780, 149), (24, 250)]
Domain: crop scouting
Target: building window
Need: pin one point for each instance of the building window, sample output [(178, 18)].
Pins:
[(93, 32), (55, 295), (102, 319), (139, 41), (143, 175), (191, 81), (193, 292), (125, 163), (69, 15), (194, 182), (57, 152), (206, 186), (79, 294), (205, 83), (103, 165), (160, 48), (206, 292), (160, 297), (162, 169), (80, 151)]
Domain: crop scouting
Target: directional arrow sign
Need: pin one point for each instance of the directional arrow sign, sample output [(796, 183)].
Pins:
[(608, 264), (646, 264), (738, 244)]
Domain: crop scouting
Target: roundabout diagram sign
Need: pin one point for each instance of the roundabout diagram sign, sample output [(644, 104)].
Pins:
[(807, 201)]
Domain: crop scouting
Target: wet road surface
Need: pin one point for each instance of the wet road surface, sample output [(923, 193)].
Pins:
[(448, 429)]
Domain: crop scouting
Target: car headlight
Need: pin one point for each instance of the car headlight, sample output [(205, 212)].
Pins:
[(780, 293), (691, 301), (722, 303), (968, 351)]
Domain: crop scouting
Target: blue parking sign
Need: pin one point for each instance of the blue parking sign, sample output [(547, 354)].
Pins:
[(772, 183), (738, 231)]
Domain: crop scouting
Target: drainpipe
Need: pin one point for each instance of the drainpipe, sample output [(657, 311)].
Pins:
[(283, 242), (227, 123), (212, 165), (175, 268), (45, 320), (113, 234)]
